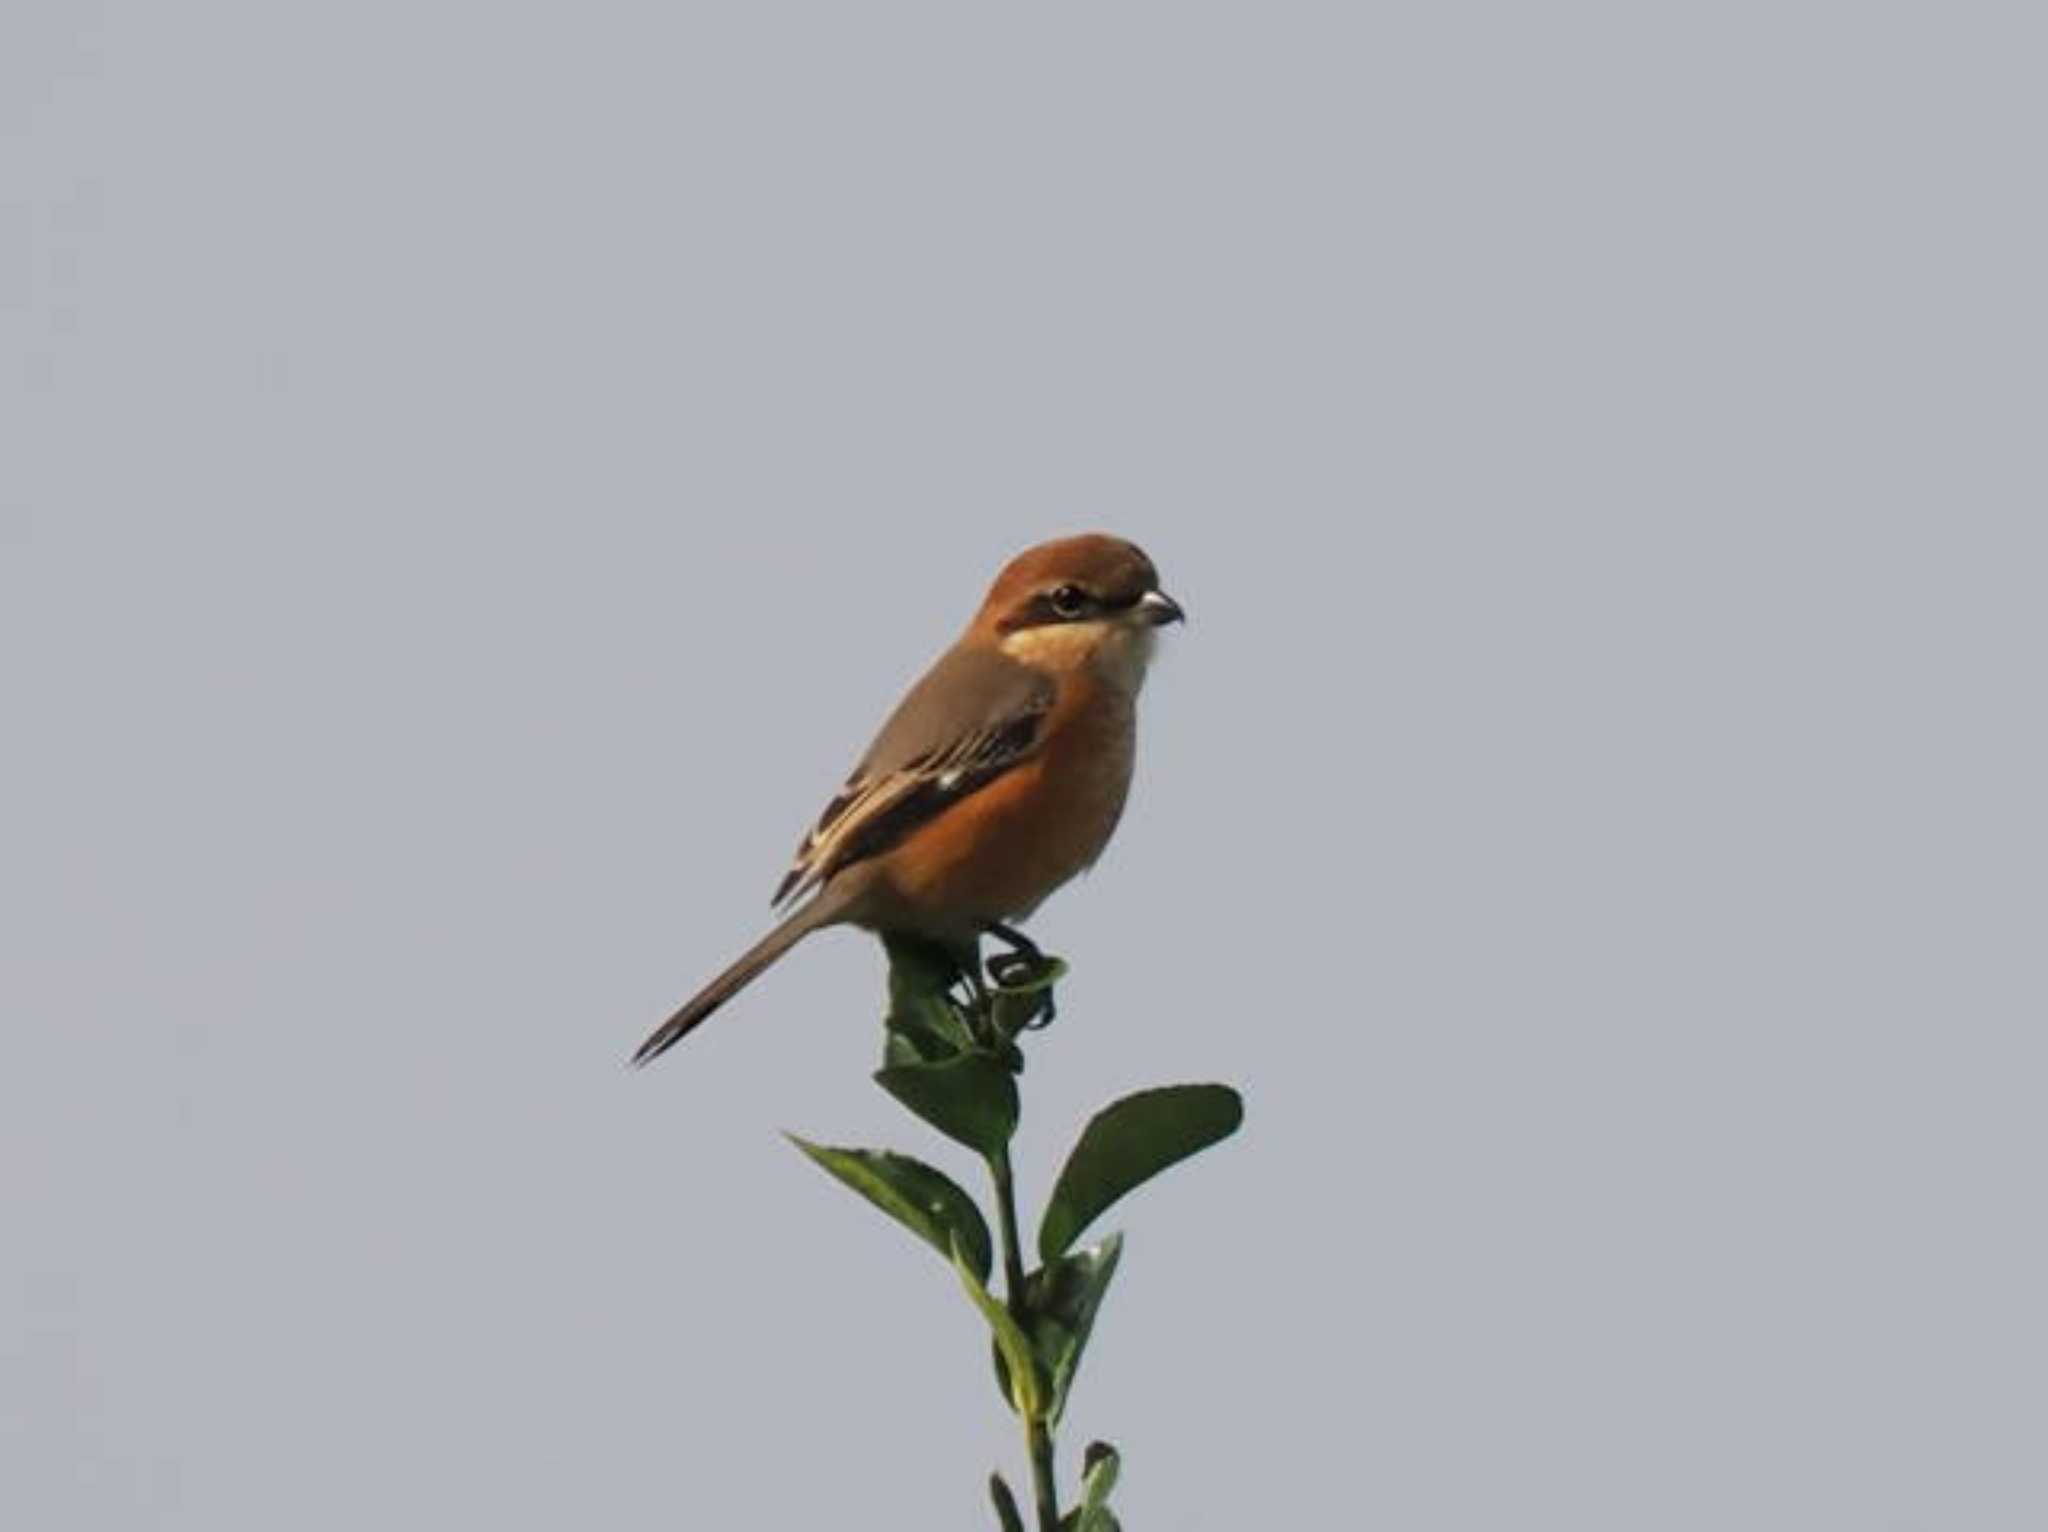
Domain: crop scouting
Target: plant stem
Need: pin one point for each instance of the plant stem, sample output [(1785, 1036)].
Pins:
[(1038, 1438), (1006, 1207), (1037, 1434)]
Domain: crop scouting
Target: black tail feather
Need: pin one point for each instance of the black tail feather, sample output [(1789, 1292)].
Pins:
[(821, 911)]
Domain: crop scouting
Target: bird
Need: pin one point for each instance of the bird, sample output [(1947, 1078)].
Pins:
[(999, 776)]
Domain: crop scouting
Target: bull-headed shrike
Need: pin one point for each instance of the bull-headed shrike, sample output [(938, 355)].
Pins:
[(999, 776)]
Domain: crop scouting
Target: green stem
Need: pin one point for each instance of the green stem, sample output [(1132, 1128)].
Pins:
[(1006, 1207), (1037, 1434), (1038, 1438)]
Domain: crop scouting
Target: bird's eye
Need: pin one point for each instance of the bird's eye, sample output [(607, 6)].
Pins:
[(1069, 600)]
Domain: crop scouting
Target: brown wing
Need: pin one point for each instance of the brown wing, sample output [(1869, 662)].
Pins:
[(971, 718)]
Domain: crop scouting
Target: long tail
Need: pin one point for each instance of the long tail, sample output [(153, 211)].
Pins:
[(821, 911)]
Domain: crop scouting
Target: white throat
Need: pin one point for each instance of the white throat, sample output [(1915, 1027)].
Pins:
[(1118, 652)]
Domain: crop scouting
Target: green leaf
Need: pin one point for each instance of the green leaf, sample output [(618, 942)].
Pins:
[(1096, 1458), (900, 1047), (1015, 1005), (1081, 1519), (971, 1099), (917, 966), (1062, 1299), (1002, 1369), (923, 1025), (925, 1201), (1128, 1143), (1100, 1466), (1027, 1390), (1005, 1503)]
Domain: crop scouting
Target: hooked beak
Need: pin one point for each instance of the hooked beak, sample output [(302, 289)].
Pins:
[(1158, 609)]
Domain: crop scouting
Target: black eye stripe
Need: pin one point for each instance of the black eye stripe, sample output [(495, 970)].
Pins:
[(1059, 604)]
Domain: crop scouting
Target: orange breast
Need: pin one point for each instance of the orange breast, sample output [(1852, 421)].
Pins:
[(999, 852)]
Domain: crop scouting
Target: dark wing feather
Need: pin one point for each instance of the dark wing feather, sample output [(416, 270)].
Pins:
[(973, 717)]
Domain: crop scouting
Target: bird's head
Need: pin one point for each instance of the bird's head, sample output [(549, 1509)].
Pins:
[(1092, 599)]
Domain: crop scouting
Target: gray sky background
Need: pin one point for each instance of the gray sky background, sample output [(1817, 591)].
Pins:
[(474, 475)]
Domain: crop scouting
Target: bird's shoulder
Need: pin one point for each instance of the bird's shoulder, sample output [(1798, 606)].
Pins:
[(970, 692)]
